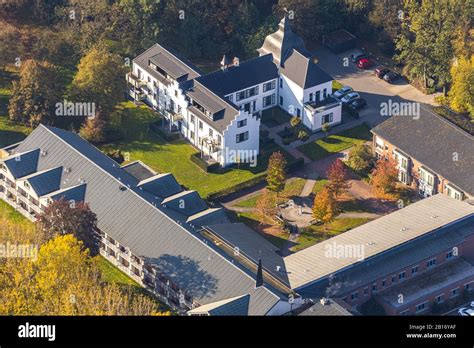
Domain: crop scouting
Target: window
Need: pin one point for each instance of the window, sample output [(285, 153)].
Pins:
[(247, 93), (311, 97), (176, 94), (327, 118), (354, 295), (374, 287), (242, 123), (242, 137), (394, 278), (231, 97), (192, 135), (384, 282), (468, 286), (366, 291), (414, 269), (298, 112), (325, 93), (421, 307), (219, 140), (269, 100), (454, 292), (439, 298), (200, 125), (431, 263), (269, 86), (240, 95), (401, 276), (192, 119), (318, 96), (26, 184), (148, 79), (281, 100), (281, 82), (210, 132), (449, 255)]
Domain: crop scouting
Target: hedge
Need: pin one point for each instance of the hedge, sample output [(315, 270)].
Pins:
[(165, 135), (258, 179), (210, 168)]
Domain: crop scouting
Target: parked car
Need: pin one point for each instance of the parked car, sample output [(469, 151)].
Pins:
[(381, 71), (466, 312), (364, 63), (350, 97), (356, 55), (357, 104), (391, 77), (343, 91)]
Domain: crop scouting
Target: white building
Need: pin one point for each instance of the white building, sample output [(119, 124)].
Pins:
[(219, 112)]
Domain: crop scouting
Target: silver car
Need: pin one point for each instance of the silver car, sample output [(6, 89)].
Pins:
[(341, 92), (350, 97)]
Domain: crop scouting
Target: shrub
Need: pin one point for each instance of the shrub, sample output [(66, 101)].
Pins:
[(303, 135), (295, 121), (210, 168), (116, 155)]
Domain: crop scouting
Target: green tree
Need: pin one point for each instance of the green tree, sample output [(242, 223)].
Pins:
[(100, 80), (34, 96), (360, 158), (276, 172)]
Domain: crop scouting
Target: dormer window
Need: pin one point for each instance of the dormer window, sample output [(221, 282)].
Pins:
[(26, 185)]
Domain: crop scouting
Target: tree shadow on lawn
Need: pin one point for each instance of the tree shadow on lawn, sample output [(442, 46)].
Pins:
[(8, 137)]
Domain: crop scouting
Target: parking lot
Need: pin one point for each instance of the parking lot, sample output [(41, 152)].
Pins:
[(374, 90)]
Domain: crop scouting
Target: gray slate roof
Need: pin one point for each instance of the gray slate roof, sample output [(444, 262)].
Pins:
[(47, 181), (136, 219), (433, 141), (23, 164), (75, 193), (176, 66), (331, 308), (186, 202), (236, 78), (231, 307), (139, 170), (161, 185), (301, 69)]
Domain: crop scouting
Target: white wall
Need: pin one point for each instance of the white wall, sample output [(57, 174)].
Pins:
[(258, 98), (292, 96), (230, 134)]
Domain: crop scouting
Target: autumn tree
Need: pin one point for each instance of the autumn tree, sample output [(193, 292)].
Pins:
[(276, 172), (100, 80), (9, 44), (325, 205), (34, 96), (265, 207), (93, 130), (461, 95), (384, 177), (337, 175), (360, 158), (69, 217)]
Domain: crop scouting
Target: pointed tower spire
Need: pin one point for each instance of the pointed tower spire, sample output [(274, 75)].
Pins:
[(259, 279)]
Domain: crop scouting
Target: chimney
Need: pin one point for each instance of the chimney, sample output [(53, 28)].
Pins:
[(259, 279), (225, 62)]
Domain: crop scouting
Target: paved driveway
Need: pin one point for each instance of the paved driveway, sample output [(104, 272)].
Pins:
[(372, 89)]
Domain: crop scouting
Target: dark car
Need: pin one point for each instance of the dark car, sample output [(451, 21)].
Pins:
[(358, 104), (391, 77), (381, 71), (357, 55), (364, 63)]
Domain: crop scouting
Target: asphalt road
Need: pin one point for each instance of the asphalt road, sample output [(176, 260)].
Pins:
[(374, 90)]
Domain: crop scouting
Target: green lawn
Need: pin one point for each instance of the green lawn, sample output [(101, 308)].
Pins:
[(10, 132), (316, 234), (11, 214), (275, 116), (140, 143), (319, 185), (111, 274), (292, 188), (336, 143)]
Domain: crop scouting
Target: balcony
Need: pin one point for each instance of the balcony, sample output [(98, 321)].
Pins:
[(134, 80), (322, 105)]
